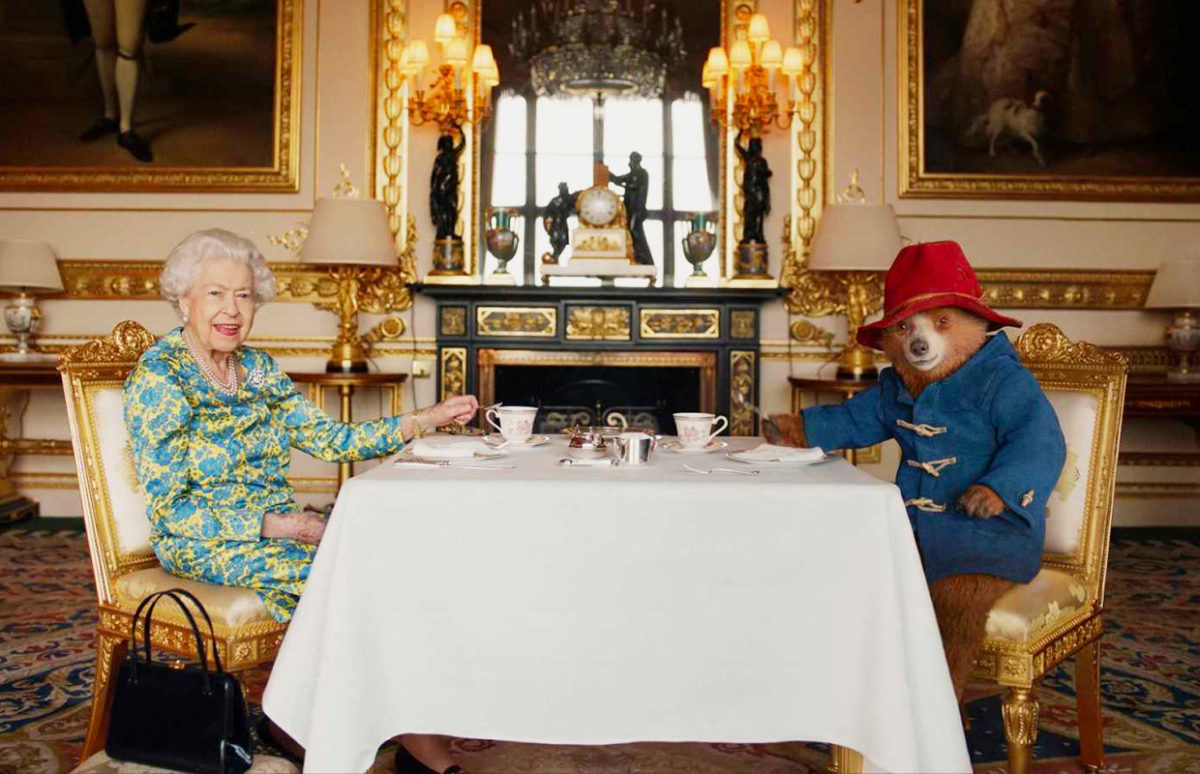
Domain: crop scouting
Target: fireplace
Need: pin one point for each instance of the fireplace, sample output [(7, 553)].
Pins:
[(582, 353), (582, 387)]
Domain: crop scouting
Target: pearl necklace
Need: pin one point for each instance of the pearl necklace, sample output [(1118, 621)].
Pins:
[(230, 385)]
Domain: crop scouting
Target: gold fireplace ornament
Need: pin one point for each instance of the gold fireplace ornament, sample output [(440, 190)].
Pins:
[(351, 237), (458, 94), (26, 267), (742, 80), (854, 242)]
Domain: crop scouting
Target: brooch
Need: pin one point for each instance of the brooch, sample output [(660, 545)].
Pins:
[(256, 378)]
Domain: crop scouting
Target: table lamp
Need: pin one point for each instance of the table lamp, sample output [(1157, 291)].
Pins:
[(349, 236), (1177, 286), (26, 267), (854, 242)]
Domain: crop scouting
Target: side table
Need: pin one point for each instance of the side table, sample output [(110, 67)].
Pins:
[(318, 382), (843, 389), (17, 378)]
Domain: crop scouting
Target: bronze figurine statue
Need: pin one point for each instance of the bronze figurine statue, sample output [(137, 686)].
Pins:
[(756, 187), (557, 211), (636, 183), (443, 186)]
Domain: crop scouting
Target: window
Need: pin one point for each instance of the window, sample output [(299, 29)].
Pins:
[(538, 142)]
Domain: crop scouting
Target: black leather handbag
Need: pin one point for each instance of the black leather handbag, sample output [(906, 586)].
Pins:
[(178, 716)]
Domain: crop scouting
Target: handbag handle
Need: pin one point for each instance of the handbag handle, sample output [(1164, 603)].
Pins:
[(212, 635), (152, 601)]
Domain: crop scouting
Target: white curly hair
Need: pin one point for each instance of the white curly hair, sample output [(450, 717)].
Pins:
[(183, 264)]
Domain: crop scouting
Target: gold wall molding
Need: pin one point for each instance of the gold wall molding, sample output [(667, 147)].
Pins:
[(680, 323), (1105, 290), (1160, 459), (598, 323), (811, 137), (915, 181), (517, 321), (381, 290), (387, 149), (281, 176), (1150, 490)]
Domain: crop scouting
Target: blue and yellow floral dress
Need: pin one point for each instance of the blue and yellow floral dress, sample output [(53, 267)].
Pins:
[(212, 464)]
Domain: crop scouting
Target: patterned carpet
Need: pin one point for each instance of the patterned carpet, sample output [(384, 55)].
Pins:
[(1150, 678)]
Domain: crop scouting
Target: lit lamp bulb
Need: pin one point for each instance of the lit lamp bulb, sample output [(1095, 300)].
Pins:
[(444, 29), (793, 66), (760, 31), (456, 57), (717, 67), (418, 58), (771, 60), (739, 56)]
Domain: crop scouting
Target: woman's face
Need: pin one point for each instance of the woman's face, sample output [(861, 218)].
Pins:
[(220, 305)]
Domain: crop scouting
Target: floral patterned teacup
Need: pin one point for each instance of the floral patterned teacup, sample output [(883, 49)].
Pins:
[(695, 429), (515, 423)]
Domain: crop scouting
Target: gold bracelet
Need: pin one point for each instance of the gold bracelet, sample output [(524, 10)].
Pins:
[(418, 431)]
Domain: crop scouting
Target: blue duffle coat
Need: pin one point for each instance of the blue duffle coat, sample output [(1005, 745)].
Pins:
[(987, 423)]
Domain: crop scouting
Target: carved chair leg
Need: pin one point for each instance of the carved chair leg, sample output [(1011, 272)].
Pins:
[(1020, 710), (843, 760), (1087, 699), (109, 652)]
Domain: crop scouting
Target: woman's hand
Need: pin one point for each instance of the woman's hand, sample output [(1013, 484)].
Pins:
[(458, 409), (305, 527)]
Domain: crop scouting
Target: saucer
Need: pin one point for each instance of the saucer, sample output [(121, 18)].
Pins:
[(497, 441), (675, 447), (407, 455), (737, 455)]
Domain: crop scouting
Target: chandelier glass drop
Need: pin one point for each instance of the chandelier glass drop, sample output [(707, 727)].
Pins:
[(598, 47)]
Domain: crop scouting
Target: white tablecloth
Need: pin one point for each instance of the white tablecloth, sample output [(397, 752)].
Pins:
[(597, 606)]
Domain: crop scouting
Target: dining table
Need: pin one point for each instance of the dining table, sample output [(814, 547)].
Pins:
[(528, 600)]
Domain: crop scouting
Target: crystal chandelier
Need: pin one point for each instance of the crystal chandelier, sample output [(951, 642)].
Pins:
[(742, 81), (598, 47), (453, 83)]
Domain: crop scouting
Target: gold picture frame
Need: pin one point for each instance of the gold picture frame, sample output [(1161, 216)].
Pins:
[(934, 166), (280, 175)]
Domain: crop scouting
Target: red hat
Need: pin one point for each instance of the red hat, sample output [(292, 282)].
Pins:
[(925, 276)]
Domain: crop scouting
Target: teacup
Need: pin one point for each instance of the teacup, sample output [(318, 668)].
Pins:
[(515, 423), (695, 429)]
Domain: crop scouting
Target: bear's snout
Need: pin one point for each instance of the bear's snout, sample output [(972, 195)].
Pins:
[(918, 347)]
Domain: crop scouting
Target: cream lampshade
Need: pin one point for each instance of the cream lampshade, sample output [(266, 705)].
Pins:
[(26, 267), (348, 235), (349, 231), (1177, 286), (855, 238)]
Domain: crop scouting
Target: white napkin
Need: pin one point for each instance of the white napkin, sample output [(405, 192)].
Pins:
[(450, 447), (769, 452)]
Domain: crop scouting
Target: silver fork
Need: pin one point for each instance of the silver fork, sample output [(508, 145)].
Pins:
[(749, 472)]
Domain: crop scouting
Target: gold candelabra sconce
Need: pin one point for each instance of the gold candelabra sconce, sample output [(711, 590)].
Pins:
[(744, 79), (460, 87)]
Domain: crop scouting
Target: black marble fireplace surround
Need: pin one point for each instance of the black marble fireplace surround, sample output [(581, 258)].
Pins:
[(580, 353)]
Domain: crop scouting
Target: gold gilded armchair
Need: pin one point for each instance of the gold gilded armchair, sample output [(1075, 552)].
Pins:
[(118, 533), (1058, 614)]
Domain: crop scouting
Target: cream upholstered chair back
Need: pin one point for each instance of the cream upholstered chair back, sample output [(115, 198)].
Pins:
[(1086, 387), (114, 508)]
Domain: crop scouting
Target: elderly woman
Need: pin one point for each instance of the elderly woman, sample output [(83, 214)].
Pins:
[(212, 424)]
